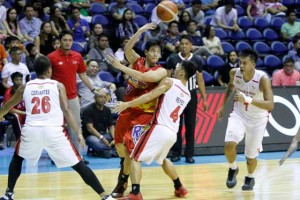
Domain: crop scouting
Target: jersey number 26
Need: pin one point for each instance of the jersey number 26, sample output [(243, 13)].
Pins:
[(41, 104)]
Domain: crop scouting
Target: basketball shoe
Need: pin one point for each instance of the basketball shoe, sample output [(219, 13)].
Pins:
[(108, 197), (132, 196), (248, 183), (181, 192), (7, 196), (231, 178), (119, 189)]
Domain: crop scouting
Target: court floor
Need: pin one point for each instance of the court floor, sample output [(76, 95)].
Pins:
[(205, 179)]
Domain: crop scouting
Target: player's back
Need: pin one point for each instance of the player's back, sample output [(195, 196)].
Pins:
[(42, 103), (171, 104)]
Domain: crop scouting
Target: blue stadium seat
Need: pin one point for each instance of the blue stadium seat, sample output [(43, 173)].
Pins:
[(261, 47), (253, 35), (140, 20), (136, 8), (240, 10), (270, 35), (208, 78), (261, 23), (241, 45), (98, 8), (227, 47), (207, 20), (111, 4), (100, 19), (209, 12), (260, 64), (148, 8), (236, 36), (279, 48), (106, 76), (32, 75), (244, 22), (215, 62), (223, 35), (272, 62), (77, 47), (276, 22), (288, 3)]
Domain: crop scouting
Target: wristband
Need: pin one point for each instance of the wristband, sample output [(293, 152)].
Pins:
[(101, 137)]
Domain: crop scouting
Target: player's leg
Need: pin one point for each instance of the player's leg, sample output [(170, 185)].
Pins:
[(176, 148), (253, 145), (234, 134)]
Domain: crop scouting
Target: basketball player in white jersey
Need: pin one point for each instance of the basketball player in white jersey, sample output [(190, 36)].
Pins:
[(253, 101), (158, 140), (46, 106)]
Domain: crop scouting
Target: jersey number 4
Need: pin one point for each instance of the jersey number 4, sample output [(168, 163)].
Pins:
[(41, 104), (174, 114)]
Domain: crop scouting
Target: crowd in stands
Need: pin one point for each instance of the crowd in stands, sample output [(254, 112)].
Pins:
[(219, 30)]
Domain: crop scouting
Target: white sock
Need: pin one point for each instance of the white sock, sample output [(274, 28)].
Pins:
[(233, 165), (250, 175)]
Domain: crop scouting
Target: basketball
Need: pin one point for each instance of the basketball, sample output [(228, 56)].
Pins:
[(167, 11)]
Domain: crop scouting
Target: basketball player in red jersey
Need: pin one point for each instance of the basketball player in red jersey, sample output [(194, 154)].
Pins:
[(144, 76)]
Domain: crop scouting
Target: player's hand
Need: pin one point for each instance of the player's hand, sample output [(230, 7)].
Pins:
[(113, 61), (105, 141), (149, 26), (204, 106), (120, 107), (290, 151), (112, 144), (81, 140), (220, 113), (239, 96)]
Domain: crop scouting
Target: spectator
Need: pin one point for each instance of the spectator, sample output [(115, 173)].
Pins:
[(290, 28), (184, 18), (57, 21), (210, 4), (80, 27), (196, 13), (45, 39), (212, 42), (274, 7), (96, 31), (84, 6), (153, 34), (41, 8), (127, 27), (11, 42), (12, 25), (92, 71), (287, 76), (30, 25), (118, 10), (3, 57), (226, 17), (17, 113), (119, 54), (14, 66), (19, 5), (171, 39), (66, 64), (32, 54), (232, 62), (56, 44), (62, 4), (97, 120), (294, 53), (2, 11), (180, 5), (99, 53), (192, 30), (257, 8)]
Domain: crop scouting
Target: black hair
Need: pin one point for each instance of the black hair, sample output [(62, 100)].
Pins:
[(16, 75), (65, 32), (207, 30), (196, 2), (29, 47), (288, 60), (228, 55), (189, 67), (290, 11), (249, 53), (173, 22), (295, 39), (41, 65), (101, 36), (91, 60), (28, 6), (152, 43), (187, 37)]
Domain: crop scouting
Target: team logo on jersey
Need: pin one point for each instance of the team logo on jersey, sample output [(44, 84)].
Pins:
[(74, 62), (137, 83), (60, 63), (138, 131)]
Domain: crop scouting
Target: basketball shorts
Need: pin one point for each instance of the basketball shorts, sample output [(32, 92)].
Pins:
[(154, 144), (53, 139), (252, 129)]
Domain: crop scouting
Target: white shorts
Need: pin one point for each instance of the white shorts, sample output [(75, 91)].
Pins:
[(53, 139), (155, 144), (254, 129)]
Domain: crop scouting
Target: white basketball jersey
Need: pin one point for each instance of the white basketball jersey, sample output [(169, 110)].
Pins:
[(251, 88), (171, 105), (42, 103)]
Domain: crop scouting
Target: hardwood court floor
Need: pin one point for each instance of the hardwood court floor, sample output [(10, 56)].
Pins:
[(204, 182)]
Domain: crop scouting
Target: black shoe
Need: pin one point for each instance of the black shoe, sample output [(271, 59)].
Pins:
[(85, 161), (175, 159), (107, 197), (231, 178), (189, 160), (248, 183), (7, 196), (119, 189)]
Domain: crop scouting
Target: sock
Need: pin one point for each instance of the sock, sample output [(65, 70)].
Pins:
[(15, 168), (88, 176), (250, 175), (177, 183), (135, 189), (233, 165)]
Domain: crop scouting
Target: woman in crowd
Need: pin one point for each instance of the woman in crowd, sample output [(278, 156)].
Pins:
[(57, 21), (212, 42), (11, 24)]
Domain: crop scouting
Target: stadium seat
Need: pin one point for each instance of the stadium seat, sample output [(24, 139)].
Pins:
[(254, 35), (77, 47), (223, 35), (227, 47), (272, 62), (270, 35), (208, 78), (262, 48), (32, 75), (244, 22), (215, 62), (207, 20), (260, 64), (98, 8), (241, 45), (210, 12), (240, 10), (276, 22), (148, 9), (288, 3), (236, 36), (111, 4), (106, 76), (137, 9), (140, 20), (100, 19), (279, 48), (261, 23)]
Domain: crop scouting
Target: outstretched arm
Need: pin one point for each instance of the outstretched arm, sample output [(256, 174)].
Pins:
[(292, 148), (163, 86)]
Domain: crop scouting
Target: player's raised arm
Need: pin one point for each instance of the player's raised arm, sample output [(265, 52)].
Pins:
[(130, 54), (292, 148), (163, 86), (16, 98)]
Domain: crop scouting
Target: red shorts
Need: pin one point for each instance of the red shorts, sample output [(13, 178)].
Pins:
[(126, 121)]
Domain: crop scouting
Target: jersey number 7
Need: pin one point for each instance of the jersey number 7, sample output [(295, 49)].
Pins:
[(41, 104)]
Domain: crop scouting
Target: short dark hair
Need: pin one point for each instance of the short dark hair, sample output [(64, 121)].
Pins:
[(151, 43), (41, 65), (14, 50), (288, 60), (101, 36), (187, 37), (249, 53), (91, 60), (29, 47), (290, 11), (189, 67), (9, 39), (16, 75), (295, 39), (196, 2), (65, 32)]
